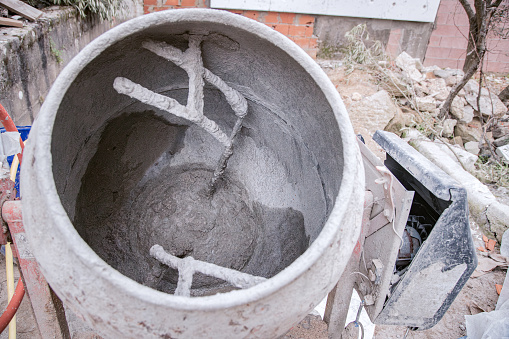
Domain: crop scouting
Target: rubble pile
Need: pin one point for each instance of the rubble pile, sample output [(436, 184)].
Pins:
[(473, 119)]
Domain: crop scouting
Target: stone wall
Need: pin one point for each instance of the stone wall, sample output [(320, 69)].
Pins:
[(31, 57)]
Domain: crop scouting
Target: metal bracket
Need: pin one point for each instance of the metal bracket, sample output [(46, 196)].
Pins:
[(386, 181)]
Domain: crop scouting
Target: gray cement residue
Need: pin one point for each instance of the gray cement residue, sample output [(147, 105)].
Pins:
[(123, 209)]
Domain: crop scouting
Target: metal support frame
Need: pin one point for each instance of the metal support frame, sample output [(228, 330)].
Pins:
[(48, 309), (339, 298), (386, 207)]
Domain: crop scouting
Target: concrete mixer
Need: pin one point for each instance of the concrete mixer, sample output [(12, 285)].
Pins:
[(194, 174)]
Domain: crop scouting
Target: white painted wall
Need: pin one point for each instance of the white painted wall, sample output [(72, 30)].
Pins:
[(405, 10)]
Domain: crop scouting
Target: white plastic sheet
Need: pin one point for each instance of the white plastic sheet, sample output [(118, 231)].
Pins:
[(9, 145), (494, 324)]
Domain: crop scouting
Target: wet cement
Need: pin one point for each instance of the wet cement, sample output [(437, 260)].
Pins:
[(123, 209)]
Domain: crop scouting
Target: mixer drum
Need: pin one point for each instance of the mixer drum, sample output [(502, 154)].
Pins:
[(212, 140)]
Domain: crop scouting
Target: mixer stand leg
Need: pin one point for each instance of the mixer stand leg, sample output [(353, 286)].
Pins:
[(47, 307), (339, 298)]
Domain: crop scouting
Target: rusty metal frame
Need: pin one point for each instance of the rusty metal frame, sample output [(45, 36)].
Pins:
[(48, 309)]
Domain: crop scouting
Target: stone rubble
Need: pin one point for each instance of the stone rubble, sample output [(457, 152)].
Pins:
[(429, 87), (474, 124), (503, 153)]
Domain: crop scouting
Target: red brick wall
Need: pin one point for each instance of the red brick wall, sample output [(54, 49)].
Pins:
[(150, 6), (448, 41), (393, 48), (297, 27)]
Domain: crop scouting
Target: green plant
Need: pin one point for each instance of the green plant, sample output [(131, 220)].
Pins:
[(326, 51), (357, 51), (106, 9), (492, 172), (55, 51)]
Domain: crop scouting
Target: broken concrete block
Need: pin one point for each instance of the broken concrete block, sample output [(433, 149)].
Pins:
[(356, 96), (410, 67), (426, 104), (489, 103), (448, 127), (373, 112), (472, 87), (399, 122), (467, 133), (503, 153), (458, 154), (480, 199), (472, 147), (442, 95), (501, 141), (457, 107), (453, 80), (436, 85), (468, 114), (500, 131), (458, 140), (396, 86), (446, 73), (420, 90), (497, 215)]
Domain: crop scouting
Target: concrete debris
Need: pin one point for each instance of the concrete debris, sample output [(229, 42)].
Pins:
[(442, 95), (447, 73), (503, 153), (400, 121), (489, 103), (458, 154), (356, 96), (504, 247), (472, 87), (426, 104), (472, 147), (458, 108), (491, 215), (438, 89), (453, 80), (500, 130), (501, 141), (457, 140), (410, 66), (378, 109), (468, 132), (448, 127), (425, 89), (421, 90), (468, 114), (397, 86), (497, 217)]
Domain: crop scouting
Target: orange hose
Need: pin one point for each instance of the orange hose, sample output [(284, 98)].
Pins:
[(13, 306)]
